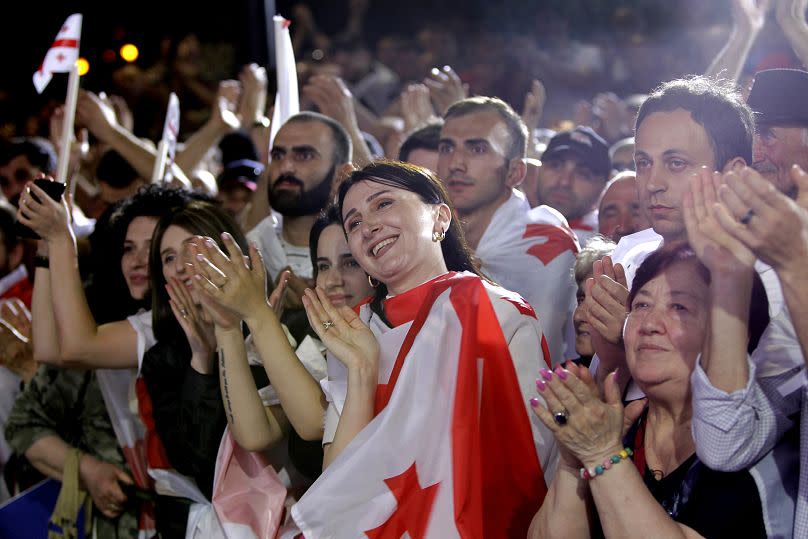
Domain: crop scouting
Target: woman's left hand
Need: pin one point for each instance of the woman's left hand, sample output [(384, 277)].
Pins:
[(593, 429), (198, 328)]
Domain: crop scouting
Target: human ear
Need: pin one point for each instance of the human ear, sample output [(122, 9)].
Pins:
[(443, 217), (516, 172)]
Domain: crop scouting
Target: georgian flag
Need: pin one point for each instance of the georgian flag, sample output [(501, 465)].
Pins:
[(450, 452), (63, 53), (171, 129), (532, 252)]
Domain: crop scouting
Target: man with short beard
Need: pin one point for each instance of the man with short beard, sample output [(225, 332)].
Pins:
[(309, 152)]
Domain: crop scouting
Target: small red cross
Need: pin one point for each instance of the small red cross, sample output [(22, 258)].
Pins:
[(60, 57), (414, 507)]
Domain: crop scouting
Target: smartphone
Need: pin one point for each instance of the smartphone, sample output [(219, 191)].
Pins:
[(55, 190)]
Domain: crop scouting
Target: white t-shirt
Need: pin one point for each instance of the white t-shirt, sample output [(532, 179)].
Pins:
[(277, 252)]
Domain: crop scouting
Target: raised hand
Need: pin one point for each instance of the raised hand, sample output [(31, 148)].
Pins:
[(47, 217), (96, 115), (750, 14), (534, 105), (769, 223), (416, 107), (607, 300), (332, 97), (253, 102), (343, 333), (224, 108), (231, 281), (445, 88), (716, 248), (198, 328)]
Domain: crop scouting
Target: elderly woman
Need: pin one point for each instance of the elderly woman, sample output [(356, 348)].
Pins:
[(666, 491), (424, 382), (596, 249)]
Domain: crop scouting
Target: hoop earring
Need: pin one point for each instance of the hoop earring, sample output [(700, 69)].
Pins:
[(373, 282), (438, 235)]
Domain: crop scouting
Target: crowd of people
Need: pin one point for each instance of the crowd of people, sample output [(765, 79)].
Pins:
[(412, 310)]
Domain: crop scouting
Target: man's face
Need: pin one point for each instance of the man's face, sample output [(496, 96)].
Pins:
[(775, 150), (568, 185), (14, 175), (301, 168), (472, 160), (670, 147), (235, 201), (620, 213)]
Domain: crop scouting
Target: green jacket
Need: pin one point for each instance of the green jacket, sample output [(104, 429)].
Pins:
[(68, 404)]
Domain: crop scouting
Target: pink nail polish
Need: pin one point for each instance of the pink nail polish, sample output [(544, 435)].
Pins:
[(540, 385), (534, 402), (561, 373), (547, 375)]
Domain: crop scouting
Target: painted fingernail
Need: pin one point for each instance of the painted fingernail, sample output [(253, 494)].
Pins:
[(561, 372), (199, 256), (547, 375), (209, 242), (534, 402), (540, 385)]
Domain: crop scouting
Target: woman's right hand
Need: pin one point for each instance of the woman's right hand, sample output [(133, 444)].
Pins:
[(198, 330), (47, 217), (343, 333)]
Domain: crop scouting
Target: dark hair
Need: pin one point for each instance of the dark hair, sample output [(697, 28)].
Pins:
[(199, 218), (517, 130), (7, 220), (716, 106), (671, 254), (115, 171), (456, 252), (424, 138), (342, 142), (39, 152), (329, 216)]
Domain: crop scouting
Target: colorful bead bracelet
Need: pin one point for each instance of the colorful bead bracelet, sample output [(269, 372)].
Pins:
[(591, 473)]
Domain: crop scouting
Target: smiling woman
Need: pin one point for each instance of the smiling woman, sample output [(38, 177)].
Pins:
[(415, 363)]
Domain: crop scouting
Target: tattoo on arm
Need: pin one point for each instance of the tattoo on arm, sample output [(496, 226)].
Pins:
[(226, 390)]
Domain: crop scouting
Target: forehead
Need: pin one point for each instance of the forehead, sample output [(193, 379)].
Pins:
[(621, 191), (680, 277), (483, 124), (332, 240), (19, 161), (675, 130), (306, 133), (174, 236), (358, 193), (141, 225)]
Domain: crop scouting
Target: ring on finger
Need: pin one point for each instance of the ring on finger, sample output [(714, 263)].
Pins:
[(561, 417), (747, 217), (184, 312), (327, 325)]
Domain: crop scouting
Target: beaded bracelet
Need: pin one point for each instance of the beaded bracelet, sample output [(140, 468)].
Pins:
[(591, 473)]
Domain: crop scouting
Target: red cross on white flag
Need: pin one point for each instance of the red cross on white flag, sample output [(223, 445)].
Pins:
[(63, 53)]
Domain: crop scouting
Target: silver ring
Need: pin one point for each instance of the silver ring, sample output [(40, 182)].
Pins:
[(327, 324), (183, 312), (561, 417), (747, 217)]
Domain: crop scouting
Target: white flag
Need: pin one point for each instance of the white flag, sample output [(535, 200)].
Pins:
[(63, 53), (171, 130), (287, 101)]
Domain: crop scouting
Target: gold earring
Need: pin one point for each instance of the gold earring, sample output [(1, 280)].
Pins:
[(373, 282), (438, 235)]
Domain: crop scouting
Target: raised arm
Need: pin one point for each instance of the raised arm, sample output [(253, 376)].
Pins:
[(791, 17), (99, 118), (81, 342), (748, 18), (242, 290), (333, 98), (352, 342)]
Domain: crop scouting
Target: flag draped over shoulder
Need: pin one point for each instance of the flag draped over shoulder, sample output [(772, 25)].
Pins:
[(62, 55), (532, 252), (450, 452)]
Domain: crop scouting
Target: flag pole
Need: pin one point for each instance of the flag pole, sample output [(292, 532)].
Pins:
[(67, 125), (160, 162)]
